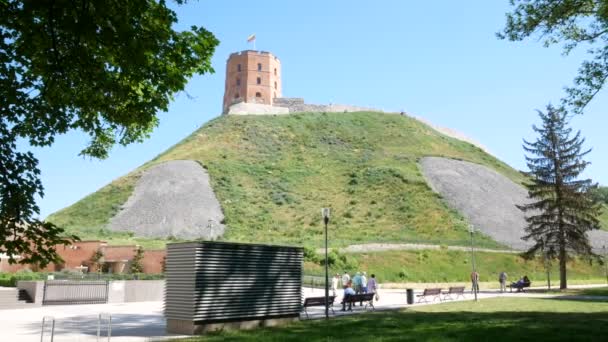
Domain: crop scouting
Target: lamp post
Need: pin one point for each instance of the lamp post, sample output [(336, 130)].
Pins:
[(474, 278), (325, 214)]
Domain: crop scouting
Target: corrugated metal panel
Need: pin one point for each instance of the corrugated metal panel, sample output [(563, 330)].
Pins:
[(209, 282), (62, 292)]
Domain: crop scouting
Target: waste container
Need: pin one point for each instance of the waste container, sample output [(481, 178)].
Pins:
[(410, 296)]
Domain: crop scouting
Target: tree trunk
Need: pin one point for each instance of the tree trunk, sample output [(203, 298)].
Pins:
[(563, 279)]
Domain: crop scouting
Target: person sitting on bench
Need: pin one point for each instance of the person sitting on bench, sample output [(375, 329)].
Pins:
[(521, 283), (348, 291)]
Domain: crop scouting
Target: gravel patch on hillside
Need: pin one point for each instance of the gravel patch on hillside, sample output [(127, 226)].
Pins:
[(486, 198), (172, 199)]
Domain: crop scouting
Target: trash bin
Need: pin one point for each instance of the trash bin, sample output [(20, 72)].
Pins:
[(410, 296)]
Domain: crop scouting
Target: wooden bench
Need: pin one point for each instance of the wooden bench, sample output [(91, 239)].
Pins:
[(368, 298), (318, 301), (519, 287), (455, 290), (435, 293)]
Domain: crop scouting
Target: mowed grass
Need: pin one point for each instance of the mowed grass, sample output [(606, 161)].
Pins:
[(273, 174), (430, 266), (495, 319)]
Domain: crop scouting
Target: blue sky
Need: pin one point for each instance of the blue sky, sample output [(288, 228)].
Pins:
[(439, 60)]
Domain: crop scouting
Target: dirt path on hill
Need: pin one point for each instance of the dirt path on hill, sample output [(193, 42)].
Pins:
[(380, 247)]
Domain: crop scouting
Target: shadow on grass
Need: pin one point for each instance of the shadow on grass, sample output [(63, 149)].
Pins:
[(444, 326)]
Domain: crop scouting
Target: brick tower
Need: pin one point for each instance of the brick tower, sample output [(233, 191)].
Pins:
[(252, 77)]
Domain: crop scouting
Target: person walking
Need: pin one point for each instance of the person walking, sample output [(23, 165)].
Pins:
[(345, 280), (364, 282), (357, 282), (475, 282), (502, 279), (334, 283), (372, 285)]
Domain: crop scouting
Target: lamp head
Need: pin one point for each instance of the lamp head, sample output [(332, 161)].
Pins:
[(325, 213)]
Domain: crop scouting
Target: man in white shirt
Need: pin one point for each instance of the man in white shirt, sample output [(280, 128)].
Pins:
[(345, 280)]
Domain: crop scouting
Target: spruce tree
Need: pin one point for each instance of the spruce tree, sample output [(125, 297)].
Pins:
[(136, 266), (562, 208)]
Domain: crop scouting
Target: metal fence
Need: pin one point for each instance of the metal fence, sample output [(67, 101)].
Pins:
[(61, 292)]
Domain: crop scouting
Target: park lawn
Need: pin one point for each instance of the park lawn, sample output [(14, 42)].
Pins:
[(495, 319)]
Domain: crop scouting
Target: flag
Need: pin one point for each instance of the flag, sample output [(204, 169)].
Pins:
[(251, 38)]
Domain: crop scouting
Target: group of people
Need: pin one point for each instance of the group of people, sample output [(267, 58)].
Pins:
[(359, 283), (502, 279), (519, 285)]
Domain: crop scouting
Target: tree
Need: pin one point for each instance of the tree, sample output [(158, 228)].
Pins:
[(563, 208), (136, 266), (601, 194), (572, 23), (104, 68), (97, 260)]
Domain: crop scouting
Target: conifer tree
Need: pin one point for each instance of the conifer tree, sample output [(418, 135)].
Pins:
[(136, 266), (563, 208)]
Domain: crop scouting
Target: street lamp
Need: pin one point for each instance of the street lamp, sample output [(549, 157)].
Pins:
[(325, 214), (474, 278)]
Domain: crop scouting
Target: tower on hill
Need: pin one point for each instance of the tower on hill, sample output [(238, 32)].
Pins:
[(252, 77)]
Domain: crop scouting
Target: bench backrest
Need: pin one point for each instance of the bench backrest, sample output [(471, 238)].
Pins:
[(457, 289), (311, 301), (431, 292), (361, 297)]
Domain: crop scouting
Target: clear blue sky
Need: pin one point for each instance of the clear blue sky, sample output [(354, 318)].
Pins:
[(436, 59)]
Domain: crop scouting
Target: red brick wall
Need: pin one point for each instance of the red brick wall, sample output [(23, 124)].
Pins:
[(80, 253), (153, 261)]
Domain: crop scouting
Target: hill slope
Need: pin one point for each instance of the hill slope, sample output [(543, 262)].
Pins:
[(272, 174)]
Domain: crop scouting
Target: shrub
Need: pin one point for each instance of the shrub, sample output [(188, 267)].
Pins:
[(310, 255)]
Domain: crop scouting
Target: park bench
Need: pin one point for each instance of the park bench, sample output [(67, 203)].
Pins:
[(519, 287), (455, 290), (368, 298), (318, 301), (435, 293)]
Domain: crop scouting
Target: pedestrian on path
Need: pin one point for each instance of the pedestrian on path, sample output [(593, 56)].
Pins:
[(334, 283), (364, 282), (475, 282), (502, 279), (357, 282)]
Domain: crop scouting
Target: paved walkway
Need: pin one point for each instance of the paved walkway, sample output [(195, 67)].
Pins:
[(144, 321)]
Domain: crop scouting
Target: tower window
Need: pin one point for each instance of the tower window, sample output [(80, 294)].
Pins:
[(275, 71), (259, 80), (259, 66), (275, 85), (236, 96), (238, 81), (258, 94), (238, 67)]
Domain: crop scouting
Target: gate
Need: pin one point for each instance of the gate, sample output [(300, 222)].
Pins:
[(62, 292)]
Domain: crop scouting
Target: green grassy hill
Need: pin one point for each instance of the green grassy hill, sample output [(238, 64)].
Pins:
[(272, 174)]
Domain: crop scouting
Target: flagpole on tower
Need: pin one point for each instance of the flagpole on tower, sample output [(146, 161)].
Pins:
[(250, 39)]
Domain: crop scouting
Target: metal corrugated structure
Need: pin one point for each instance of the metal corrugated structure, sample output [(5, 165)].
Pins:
[(213, 282), (62, 292)]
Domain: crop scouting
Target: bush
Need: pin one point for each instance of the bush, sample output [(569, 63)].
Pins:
[(310, 255)]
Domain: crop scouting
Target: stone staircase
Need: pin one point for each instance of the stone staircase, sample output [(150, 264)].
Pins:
[(13, 298)]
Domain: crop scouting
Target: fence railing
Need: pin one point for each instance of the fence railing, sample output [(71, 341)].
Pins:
[(60, 292)]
